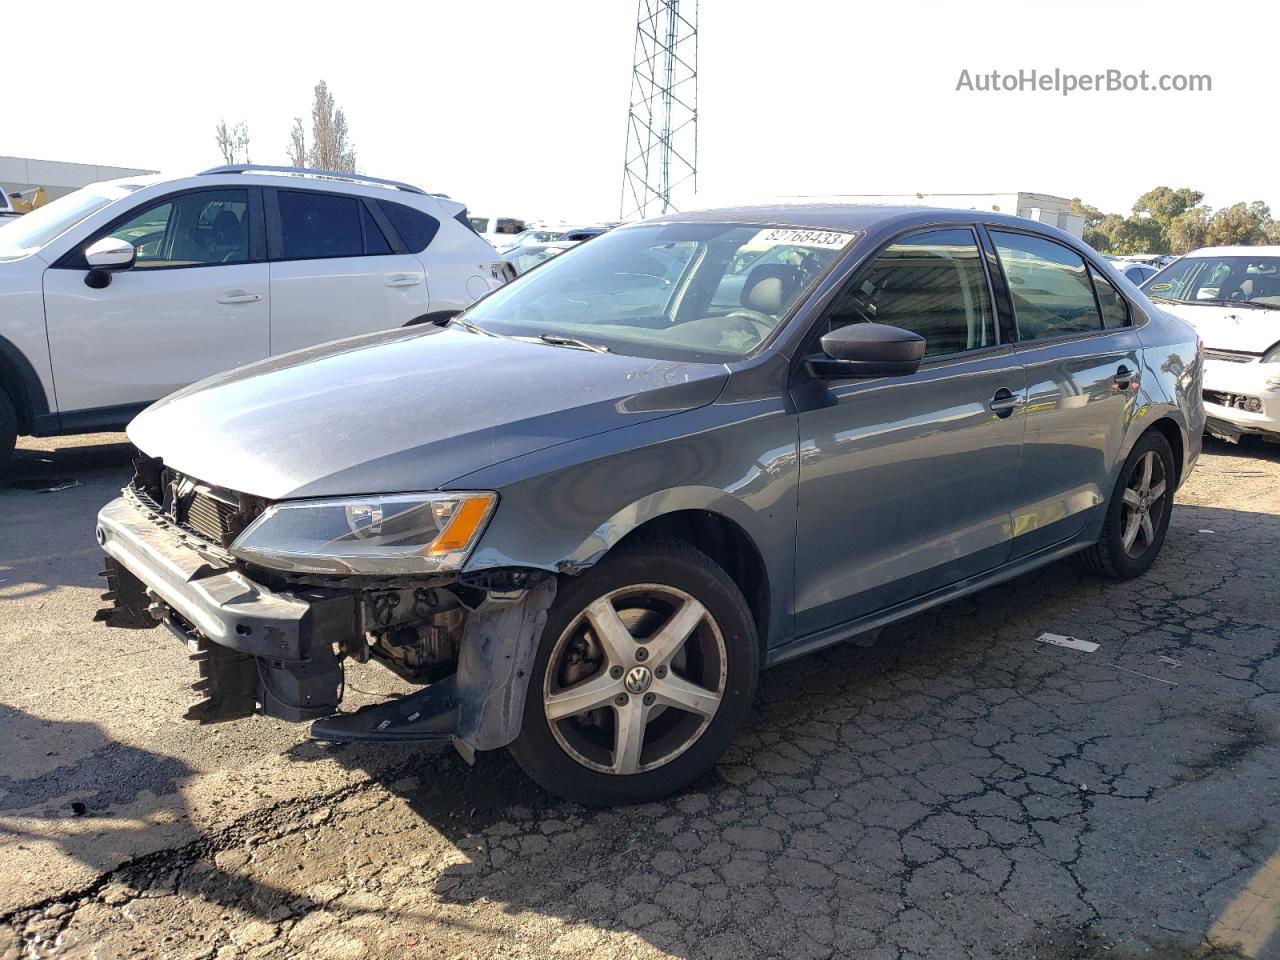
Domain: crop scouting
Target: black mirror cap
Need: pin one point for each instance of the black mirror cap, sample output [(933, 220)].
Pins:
[(868, 350)]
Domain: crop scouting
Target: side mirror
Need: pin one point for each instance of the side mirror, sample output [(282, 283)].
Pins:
[(868, 350), (106, 257)]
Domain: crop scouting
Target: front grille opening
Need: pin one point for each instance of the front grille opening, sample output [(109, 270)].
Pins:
[(211, 513), (212, 519), (1236, 401)]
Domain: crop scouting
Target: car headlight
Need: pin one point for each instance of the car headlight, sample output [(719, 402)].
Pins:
[(380, 535)]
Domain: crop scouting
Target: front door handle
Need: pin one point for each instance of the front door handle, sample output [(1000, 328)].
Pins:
[(239, 296), (404, 281), (1125, 379), (1004, 402)]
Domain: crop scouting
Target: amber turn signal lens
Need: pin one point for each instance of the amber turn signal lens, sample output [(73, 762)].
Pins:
[(462, 526)]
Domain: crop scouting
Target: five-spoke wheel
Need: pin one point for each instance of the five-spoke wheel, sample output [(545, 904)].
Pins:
[(635, 678), (1138, 512), (1144, 503), (645, 672)]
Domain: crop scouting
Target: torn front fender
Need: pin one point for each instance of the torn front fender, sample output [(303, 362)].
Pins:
[(481, 706), (499, 641)]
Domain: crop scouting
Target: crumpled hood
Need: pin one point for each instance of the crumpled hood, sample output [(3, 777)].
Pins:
[(1247, 329), (405, 410)]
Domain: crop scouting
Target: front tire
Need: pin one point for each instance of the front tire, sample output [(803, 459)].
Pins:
[(644, 674), (8, 430), (1138, 512)]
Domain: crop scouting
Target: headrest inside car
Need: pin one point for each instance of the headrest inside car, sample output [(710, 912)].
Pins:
[(770, 287)]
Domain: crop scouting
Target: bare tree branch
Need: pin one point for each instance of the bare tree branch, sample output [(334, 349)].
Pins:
[(233, 142), (331, 147), (297, 144)]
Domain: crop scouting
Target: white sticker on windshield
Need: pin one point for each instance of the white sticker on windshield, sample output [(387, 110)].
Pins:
[(824, 239)]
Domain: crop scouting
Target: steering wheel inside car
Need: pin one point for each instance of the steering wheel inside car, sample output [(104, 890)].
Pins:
[(758, 324)]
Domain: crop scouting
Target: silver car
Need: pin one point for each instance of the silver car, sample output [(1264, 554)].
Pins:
[(583, 515)]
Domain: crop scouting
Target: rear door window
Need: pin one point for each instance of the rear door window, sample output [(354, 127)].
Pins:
[(1049, 284), (315, 226), (375, 241), (1115, 309)]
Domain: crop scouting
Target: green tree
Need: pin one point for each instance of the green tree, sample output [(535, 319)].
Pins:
[(1164, 204), (1168, 220), (1093, 218), (1241, 224), (1189, 229)]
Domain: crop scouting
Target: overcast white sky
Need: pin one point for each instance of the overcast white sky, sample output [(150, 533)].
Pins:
[(519, 106)]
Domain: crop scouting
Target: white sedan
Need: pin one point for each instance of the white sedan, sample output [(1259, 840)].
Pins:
[(1231, 295)]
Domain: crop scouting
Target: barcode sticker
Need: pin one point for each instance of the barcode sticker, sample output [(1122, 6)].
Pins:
[(822, 239)]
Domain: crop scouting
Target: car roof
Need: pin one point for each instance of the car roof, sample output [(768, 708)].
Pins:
[(1272, 251), (284, 179), (847, 216)]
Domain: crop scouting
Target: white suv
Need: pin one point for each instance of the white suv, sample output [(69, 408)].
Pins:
[(124, 291)]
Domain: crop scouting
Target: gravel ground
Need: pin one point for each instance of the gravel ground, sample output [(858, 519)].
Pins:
[(957, 790)]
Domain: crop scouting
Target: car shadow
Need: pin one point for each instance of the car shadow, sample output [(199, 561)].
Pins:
[(36, 469), (1248, 448), (956, 784), (48, 501)]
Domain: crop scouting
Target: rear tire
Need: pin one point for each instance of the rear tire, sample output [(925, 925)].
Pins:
[(8, 430), (647, 667), (1138, 512)]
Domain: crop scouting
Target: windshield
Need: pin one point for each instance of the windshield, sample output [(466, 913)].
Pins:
[(33, 230), (1216, 280), (713, 289)]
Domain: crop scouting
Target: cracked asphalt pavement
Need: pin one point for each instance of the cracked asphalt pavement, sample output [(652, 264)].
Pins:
[(955, 790)]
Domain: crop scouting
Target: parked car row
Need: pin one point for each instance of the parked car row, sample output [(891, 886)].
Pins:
[(585, 512), (122, 292), (1140, 267)]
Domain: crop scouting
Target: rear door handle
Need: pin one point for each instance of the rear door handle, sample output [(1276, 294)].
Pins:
[(1125, 378), (404, 281), (1004, 402), (239, 297)]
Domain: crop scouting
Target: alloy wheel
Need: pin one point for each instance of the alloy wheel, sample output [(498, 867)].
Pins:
[(1144, 504), (635, 679)]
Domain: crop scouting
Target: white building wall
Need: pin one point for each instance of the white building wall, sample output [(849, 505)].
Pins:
[(57, 177), (1041, 207)]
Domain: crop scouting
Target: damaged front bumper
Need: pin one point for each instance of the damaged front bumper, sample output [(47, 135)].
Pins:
[(1242, 398), (280, 651)]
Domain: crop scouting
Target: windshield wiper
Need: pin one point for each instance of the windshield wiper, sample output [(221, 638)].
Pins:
[(1251, 303), (558, 341), (1164, 299), (468, 325), (1234, 303)]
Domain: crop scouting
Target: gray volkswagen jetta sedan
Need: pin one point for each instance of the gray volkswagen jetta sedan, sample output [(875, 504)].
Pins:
[(582, 516)]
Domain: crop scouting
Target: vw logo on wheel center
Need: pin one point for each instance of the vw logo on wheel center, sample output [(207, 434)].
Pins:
[(638, 679)]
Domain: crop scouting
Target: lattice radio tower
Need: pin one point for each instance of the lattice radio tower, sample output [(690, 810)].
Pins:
[(661, 165)]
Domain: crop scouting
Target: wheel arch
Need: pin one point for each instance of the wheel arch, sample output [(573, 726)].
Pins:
[(722, 539), (1173, 433), (19, 381)]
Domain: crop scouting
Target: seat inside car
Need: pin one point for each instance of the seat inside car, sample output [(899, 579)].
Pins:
[(770, 287), (228, 239)]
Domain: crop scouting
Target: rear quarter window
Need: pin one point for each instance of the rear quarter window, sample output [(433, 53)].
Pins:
[(416, 229)]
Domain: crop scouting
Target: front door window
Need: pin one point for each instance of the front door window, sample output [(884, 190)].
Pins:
[(201, 228)]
